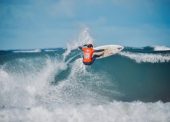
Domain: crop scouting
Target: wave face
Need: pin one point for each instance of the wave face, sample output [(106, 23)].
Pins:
[(53, 85)]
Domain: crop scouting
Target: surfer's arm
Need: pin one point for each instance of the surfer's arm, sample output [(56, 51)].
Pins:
[(101, 50), (80, 47)]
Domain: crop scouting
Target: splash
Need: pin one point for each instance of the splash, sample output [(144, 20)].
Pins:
[(78, 87), (26, 80), (83, 38)]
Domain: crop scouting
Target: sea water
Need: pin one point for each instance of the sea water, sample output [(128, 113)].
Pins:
[(53, 85)]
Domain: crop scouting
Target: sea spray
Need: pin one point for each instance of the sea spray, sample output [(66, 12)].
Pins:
[(83, 38)]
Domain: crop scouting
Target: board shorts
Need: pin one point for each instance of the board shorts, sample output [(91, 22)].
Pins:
[(90, 63)]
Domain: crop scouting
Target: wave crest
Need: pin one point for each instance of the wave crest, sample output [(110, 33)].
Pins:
[(151, 58)]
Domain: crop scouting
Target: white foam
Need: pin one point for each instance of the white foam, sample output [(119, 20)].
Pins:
[(19, 88), (3, 74), (146, 57), (110, 112), (161, 48)]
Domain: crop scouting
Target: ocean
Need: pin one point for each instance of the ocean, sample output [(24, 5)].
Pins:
[(53, 85)]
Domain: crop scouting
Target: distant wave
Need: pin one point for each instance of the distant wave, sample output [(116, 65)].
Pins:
[(27, 51), (52, 49), (49, 50), (161, 48), (144, 57)]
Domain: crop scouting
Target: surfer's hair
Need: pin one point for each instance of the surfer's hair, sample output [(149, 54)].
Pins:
[(89, 45)]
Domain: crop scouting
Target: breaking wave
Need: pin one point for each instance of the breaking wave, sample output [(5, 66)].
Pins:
[(54, 85)]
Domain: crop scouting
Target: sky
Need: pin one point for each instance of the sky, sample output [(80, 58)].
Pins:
[(27, 24)]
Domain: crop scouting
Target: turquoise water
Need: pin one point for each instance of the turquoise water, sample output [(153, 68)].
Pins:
[(54, 85)]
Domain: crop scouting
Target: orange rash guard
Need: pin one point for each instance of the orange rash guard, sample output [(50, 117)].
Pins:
[(88, 55)]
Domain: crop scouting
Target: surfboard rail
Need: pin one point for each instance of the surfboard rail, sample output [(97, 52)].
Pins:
[(108, 50)]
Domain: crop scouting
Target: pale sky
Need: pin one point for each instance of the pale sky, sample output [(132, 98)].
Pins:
[(52, 23)]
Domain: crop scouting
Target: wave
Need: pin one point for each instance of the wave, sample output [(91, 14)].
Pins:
[(36, 99), (27, 51), (144, 57), (49, 50), (52, 49), (111, 112), (161, 48), (55, 86)]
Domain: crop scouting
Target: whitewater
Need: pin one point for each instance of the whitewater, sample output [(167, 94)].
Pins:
[(53, 85)]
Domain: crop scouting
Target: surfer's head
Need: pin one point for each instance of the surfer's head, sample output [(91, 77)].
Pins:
[(90, 46)]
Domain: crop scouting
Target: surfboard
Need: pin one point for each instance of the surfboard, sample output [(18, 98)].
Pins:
[(108, 50)]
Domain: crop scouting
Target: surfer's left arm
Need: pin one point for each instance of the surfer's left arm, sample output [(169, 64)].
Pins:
[(101, 50)]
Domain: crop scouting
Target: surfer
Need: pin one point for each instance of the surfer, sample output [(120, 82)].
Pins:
[(88, 54)]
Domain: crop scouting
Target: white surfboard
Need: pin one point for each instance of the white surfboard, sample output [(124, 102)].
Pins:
[(108, 50)]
